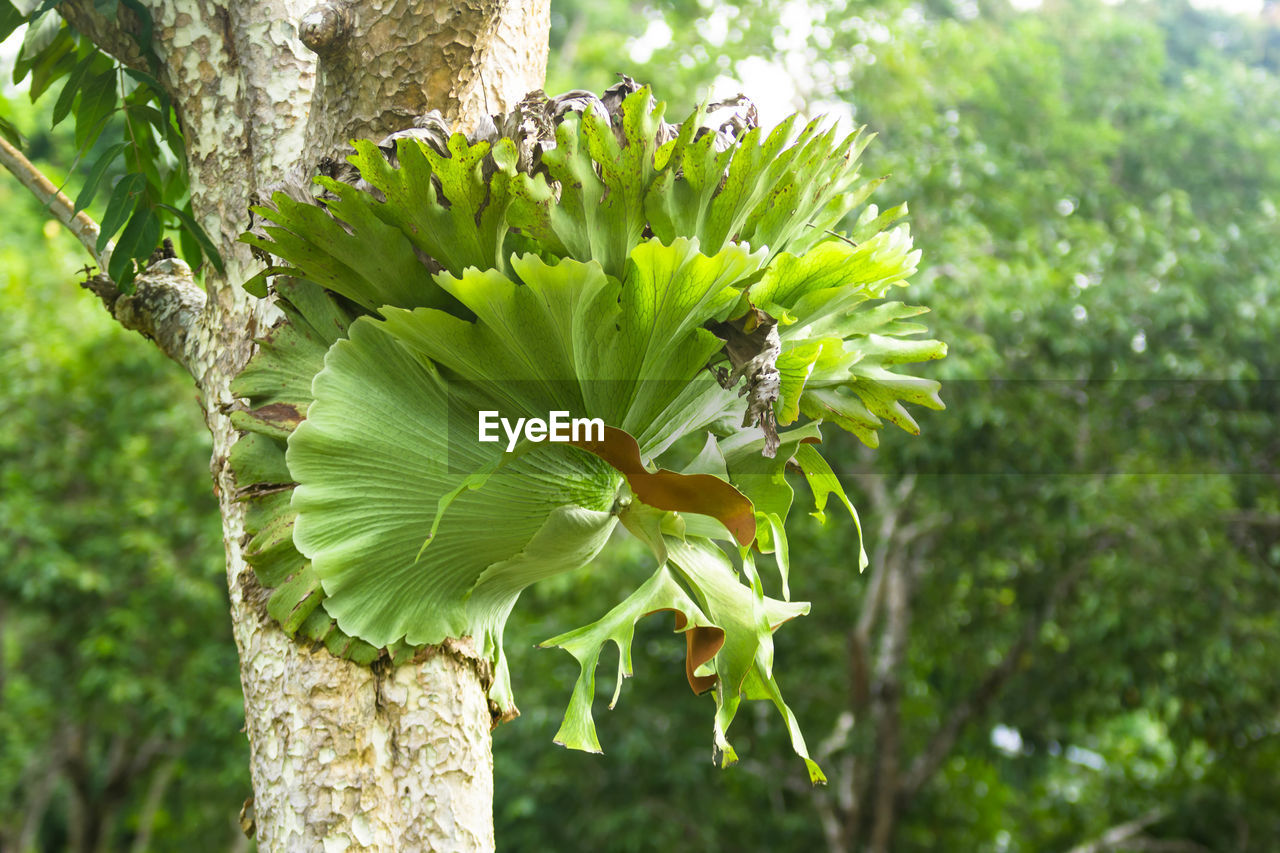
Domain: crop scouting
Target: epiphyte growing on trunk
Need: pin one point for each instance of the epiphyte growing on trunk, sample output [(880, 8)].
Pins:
[(684, 284)]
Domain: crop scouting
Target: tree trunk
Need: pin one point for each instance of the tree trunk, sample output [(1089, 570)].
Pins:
[(344, 757)]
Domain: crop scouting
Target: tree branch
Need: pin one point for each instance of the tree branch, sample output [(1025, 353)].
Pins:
[(860, 638), (836, 802), (841, 818), (39, 792), (887, 705), (165, 305), (156, 790), (1144, 844), (940, 745), (832, 827), (1251, 517), (114, 34), (85, 229), (1120, 833)]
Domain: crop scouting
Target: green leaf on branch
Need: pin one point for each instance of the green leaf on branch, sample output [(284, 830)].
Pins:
[(125, 199), (191, 226), (96, 173), (62, 107), (10, 133), (140, 235), (10, 19), (98, 98), (47, 53)]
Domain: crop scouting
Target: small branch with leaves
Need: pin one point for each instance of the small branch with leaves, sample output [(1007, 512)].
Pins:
[(164, 304), (79, 222)]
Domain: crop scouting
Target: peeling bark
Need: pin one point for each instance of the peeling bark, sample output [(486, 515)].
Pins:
[(165, 307), (467, 59), (113, 33), (342, 756), (352, 758)]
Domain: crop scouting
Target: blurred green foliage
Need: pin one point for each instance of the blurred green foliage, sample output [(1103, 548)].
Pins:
[(1085, 548), (120, 711)]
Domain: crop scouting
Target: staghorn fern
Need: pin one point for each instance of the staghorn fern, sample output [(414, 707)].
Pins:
[(591, 258)]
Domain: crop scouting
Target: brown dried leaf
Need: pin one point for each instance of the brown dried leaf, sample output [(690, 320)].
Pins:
[(701, 645), (700, 493)]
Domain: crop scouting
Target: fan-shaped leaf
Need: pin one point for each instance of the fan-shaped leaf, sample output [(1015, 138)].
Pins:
[(379, 450)]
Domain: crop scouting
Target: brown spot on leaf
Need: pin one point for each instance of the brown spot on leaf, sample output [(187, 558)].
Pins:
[(701, 493), (282, 414)]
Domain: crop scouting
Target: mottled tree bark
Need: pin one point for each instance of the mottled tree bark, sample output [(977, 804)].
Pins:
[(466, 59), (344, 757)]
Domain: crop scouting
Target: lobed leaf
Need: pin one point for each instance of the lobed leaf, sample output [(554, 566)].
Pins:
[(599, 214), (369, 262)]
